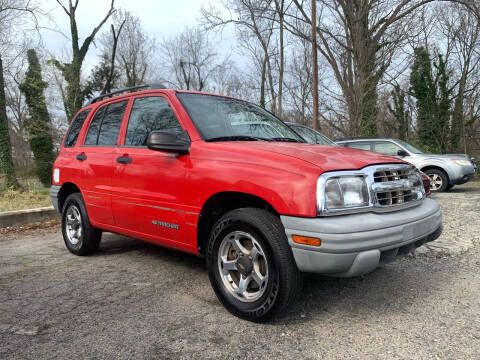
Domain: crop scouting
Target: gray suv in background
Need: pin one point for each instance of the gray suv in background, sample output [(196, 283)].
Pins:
[(444, 171)]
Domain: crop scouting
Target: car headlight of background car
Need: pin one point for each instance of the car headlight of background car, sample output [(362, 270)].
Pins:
[(463, 162), (342, 192)]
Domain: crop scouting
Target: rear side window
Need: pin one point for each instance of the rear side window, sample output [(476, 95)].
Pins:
[(105, 125), (148, 114), (75, 128), (307, 135), (361, 146), (387, 148)]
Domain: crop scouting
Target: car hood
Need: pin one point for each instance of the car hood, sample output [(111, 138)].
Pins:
[(328, 158)]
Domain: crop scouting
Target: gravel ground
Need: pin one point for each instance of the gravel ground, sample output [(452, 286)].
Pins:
[(135, 300)]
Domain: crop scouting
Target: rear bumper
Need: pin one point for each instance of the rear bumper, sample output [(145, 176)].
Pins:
[(54, 190), (356, 244)]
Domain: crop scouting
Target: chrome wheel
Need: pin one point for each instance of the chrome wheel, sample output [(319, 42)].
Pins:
[(74, 225), (436, 182), (243, 266)]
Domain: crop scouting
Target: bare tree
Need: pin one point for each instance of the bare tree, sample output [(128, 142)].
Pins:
[(461, 28), (71, 71), (135, 48), (191, 59), (253, 25), (299, 83), (115, 36), (358, 39), (10, 12), (314, 65)]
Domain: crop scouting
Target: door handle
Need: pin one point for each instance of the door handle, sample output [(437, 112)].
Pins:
[(124, 159), (81, 157)]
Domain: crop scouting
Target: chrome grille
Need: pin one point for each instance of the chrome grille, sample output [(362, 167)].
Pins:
[(390, 187), (391, 175), (394, 197), (396, 185)]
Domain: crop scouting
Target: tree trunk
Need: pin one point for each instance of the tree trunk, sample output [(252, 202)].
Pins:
[(456, 130), (263, 79), (282, 61), (6, 160), (315, 66)]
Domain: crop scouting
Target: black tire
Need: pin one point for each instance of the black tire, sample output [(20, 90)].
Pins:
[(89, 237), (432, 173), (449, 186), (284, 278)]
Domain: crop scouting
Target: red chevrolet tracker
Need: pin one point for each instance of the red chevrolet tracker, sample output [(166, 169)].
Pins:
[(225, 179)]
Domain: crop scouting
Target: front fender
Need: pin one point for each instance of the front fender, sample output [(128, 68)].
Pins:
[(450, 169), (288, 192)]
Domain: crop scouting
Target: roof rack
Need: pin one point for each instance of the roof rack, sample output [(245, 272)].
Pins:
[(125, 90), (365, 138)]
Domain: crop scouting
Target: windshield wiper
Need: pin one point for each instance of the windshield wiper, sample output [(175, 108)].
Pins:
[(236, 138), (284, 139)]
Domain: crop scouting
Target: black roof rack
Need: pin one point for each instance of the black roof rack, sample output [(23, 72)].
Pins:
[(125, 90), (365, 138)]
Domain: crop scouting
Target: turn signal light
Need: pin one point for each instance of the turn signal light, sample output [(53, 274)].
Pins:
[(305, 240)]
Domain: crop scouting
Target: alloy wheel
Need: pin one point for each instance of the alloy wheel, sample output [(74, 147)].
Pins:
[(436, 182), (74, 225), (243, 266)]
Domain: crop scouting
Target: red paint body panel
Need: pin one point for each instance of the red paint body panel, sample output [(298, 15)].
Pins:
[(130, 198)]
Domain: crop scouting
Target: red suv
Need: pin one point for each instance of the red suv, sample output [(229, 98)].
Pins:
[(225, 179)]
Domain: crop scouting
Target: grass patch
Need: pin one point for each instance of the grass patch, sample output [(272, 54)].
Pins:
[(33, 195)]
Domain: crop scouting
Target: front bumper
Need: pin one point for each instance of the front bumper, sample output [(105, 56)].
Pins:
[(356, 244), (460, 174)]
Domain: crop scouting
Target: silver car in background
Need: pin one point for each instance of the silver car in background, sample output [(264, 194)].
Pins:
[(444, 171), (309, 135)]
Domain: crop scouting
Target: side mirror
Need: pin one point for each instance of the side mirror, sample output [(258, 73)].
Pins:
[(402, 153), (166, 141)]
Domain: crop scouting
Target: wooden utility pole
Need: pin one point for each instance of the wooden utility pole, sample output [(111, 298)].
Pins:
[(315, 65)]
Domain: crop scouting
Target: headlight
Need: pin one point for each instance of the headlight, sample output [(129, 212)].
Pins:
[(342, 192), (462, 162)]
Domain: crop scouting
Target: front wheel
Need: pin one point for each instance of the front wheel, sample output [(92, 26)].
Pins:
[(438, 180), (250, 264)]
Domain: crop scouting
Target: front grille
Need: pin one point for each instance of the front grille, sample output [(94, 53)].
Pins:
[(396, 185), (394, 197), (391, 175)]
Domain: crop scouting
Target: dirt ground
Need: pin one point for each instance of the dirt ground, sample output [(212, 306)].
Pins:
[(135, 300)]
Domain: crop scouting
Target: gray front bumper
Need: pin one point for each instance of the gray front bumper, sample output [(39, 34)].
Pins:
[(460, 174), (356, 244)]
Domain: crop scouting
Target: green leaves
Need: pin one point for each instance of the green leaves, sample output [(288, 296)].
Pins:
[(38, 124), (433, 101)]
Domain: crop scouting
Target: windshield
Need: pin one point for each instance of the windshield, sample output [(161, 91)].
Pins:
[(312, 136), (410, 148), (223, 119)]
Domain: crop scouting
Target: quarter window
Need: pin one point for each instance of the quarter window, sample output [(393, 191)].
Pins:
[(105, 125), (148, 114), (361, 146), (77, 123)]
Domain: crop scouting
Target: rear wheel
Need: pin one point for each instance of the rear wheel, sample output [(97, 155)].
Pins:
[(250, 264), (438, 180), (80, 237)]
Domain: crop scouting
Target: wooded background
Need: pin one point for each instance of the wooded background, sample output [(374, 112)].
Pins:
[(398, 68)]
